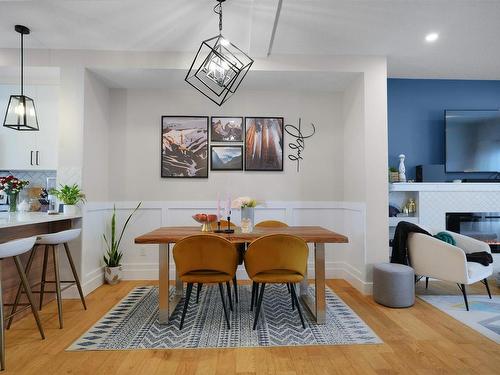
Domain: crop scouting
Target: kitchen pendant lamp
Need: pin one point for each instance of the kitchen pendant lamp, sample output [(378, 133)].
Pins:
[(21, 113), (219, 66)]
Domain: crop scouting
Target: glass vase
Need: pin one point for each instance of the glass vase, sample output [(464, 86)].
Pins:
[(13, 202), (248, 213)]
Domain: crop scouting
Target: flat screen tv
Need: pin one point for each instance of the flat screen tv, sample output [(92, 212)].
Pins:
[(472, 141)]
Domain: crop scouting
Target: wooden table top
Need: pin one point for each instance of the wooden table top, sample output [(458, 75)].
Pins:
[(308, 233)]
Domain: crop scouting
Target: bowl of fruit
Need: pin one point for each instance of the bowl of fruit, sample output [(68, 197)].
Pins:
[(206, 221)]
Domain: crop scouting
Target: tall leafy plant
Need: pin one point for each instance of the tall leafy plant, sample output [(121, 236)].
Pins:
[(113, 254)]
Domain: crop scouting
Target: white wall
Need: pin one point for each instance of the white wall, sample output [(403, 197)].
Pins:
[(135, 146)]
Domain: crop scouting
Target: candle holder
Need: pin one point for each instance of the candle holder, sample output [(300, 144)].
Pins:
[(218, 230), (229, 230)]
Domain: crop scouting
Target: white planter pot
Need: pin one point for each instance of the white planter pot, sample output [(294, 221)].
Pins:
[(113, 275), (70, 209)]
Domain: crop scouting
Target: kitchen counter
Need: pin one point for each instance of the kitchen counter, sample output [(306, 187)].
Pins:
[(15, 219)]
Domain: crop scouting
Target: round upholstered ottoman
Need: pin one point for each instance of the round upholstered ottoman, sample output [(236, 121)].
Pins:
[(393, 285)]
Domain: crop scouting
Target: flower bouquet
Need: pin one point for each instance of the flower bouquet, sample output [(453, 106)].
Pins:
[(247, 206), (11, 186), (206, 221)]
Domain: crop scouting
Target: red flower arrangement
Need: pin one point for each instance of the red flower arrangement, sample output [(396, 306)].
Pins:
[(11, 185)]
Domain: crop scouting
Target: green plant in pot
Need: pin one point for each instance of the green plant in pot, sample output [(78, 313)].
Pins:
[(70, 196), (393, 174), (112, 259)]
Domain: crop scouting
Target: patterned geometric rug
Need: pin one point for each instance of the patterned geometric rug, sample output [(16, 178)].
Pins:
[(483, 315), (133, 323)]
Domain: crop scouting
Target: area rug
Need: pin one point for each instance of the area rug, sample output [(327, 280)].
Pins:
[(483, 317), (133, 323)]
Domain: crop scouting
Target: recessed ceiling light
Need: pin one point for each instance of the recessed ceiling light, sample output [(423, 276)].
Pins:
[(431, 37)]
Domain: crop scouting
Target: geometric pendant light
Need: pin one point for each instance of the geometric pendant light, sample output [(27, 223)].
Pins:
[(21, 112), (219, 66)]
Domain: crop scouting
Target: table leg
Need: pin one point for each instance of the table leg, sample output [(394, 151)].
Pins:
[(317, 305), (163, 292)]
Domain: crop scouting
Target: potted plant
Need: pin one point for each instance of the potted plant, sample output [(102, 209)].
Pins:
[(112, 259), (70, 196), (393, 174), (11, 186)]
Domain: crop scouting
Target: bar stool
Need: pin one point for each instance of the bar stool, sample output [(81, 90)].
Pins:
[(14, 249), (53, 240)]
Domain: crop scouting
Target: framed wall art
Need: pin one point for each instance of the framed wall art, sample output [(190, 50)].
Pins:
[(226, 158), (226, 129), (264, 143), (184, 146)]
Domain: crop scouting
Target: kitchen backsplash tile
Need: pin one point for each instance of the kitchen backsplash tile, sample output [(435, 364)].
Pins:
[(36, 178)]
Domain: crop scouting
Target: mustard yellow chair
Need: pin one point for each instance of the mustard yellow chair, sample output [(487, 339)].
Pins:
[(202, 259), (276, 259), (271, 224)]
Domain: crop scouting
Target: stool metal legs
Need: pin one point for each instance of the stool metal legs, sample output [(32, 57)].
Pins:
[(75, 275), (44, 274), (55, 258)]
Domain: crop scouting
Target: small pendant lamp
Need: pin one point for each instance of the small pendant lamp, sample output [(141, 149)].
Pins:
[(21, 113)]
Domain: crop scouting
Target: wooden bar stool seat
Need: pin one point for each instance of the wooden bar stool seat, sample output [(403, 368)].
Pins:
[(53, 241), (14, 249)]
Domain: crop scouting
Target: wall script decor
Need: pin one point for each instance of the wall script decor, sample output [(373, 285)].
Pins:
[(226, 158), (184, 146), (264, 143), (299, 144), (226, 129)]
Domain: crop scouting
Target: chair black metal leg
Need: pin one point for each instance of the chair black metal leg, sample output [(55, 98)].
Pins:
[(235, 283), (75, 275), (288, 287), (294, 296), (464, 292), (198, 290), (27, 290), (44, 275), (18, 294), (291, 296), (259, 305), (221, 291), (253, 296), (228, 286), (189, 289), (485, 282), (426, 282), (257, 287)]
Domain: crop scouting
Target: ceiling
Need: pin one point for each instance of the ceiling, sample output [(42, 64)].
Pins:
[(468, 46)]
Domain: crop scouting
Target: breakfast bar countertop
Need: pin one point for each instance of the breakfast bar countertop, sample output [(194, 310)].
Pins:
[(15, 219)]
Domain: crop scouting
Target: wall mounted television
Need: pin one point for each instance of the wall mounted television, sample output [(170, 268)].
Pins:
[(472, 140)]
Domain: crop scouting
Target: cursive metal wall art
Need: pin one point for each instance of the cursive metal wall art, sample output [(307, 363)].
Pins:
[(298, 145)]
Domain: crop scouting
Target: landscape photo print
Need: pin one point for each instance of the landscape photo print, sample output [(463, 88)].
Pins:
[(184, 146)]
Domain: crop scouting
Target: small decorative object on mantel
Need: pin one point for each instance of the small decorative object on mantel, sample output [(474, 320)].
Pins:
[(112, 259), (11, 186), (393, 174), (206, 221), (247, 206), (70, 196), (402, 169), (299, 143)]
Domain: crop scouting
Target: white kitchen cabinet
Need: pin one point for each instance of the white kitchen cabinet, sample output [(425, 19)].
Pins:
[(31, 150)]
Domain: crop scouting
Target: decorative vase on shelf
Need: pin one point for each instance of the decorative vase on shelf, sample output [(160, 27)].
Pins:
[(13, 202), (248, 214), (402, 169)]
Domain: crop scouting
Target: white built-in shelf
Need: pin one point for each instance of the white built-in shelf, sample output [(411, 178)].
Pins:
[(444, 186), (393, 221)]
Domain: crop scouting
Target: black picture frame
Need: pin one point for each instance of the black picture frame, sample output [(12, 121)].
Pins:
[(233, 167), (221, 140), (200, 157), (255, 165)]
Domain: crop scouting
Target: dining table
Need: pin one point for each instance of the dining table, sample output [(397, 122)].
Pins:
[(314, 300)]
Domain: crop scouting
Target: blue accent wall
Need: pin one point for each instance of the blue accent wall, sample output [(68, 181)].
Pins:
[(416, 117)]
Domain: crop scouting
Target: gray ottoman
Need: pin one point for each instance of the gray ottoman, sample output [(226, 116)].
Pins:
[(393, 285)]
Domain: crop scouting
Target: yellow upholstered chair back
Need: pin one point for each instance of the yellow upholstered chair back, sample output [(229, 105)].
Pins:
[(205, 252), (271, 224), (277, 252)]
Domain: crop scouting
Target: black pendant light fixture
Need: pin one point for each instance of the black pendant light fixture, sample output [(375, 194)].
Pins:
[(21, 113), (219, 66)]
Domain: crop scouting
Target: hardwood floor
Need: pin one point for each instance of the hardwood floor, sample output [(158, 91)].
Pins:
[(417, 340)]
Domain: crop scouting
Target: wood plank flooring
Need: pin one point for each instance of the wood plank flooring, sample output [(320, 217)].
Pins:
[(418, 340)]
